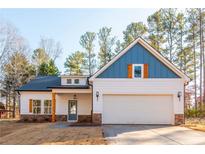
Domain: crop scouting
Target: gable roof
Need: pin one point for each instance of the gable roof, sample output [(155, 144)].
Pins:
[(147, 46)]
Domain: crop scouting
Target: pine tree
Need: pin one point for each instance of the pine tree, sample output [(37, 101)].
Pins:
[(156, 31), (75, 63), (86, 41), (192, 39), (133, 31), (201, 42), (169, 26), (106, 42), (180, 39), (118, 47), (39, 56), (48, 69)]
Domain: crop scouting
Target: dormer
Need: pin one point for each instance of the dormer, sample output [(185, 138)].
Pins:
[(73, 80)]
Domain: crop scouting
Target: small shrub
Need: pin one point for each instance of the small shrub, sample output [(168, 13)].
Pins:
[(195, 113)]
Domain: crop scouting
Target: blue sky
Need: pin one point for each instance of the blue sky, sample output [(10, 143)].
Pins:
[(67, 25)]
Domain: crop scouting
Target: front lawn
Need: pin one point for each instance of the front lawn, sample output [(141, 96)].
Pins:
[(13, 132)]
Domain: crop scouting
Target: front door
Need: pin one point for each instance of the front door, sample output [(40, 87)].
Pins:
[(72, 110)]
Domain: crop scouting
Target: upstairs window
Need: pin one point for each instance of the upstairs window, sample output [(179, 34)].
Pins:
[(138, 71), (76, 81), (69, 81)]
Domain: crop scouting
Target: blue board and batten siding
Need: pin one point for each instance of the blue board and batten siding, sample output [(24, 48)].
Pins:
[(138, 55)]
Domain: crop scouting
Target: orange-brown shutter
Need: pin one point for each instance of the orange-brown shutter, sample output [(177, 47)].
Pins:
[(146, 72), (129, 71), (30, 105)]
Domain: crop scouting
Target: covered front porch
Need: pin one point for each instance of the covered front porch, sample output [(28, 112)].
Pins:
[(72, 105)]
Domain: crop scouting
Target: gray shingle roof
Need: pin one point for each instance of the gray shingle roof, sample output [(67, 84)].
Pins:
[(41, 83), (46, 83)]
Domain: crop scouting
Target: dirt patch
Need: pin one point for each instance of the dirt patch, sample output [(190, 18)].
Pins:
[(13, 132), (195, 123)]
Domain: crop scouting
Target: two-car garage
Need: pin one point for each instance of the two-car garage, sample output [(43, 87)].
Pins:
[(137, 109)]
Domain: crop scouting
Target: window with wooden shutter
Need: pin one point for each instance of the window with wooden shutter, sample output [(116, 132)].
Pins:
[(146, 71), (30, 106), (129, 70)]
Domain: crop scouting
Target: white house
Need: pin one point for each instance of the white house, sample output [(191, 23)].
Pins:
[(138, 86)]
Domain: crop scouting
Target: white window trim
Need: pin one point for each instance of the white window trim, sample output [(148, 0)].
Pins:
[(36, 106), (47, 107), (78, 81), (70, 80), (133, 68)]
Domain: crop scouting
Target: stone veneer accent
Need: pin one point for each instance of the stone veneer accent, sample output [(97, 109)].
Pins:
[(61, 117), (48, 118), (41, 118), (84, 118), (179, 119), (97, 118)]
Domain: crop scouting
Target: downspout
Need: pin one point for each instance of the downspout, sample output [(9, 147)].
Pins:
[(184, 104), (92, 101)]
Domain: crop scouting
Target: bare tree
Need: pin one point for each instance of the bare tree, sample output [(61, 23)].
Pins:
[(10, 41), (51, 47)]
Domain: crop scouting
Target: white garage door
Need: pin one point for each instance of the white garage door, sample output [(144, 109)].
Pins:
[(135, 109)]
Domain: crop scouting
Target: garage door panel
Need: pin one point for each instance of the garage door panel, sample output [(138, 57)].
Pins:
[(132, 109)]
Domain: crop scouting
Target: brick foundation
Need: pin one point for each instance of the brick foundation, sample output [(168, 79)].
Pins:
[(47, 118), (84, 118), (41, 118), (179, 119), (61, 117), (97, 118)]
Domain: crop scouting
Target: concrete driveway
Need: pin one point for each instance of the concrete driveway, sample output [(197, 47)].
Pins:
[(152, 134)]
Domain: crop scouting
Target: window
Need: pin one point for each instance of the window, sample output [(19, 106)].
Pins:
[(76, 81), (47, 106), (69, 81), (138, 71), (37, 106)]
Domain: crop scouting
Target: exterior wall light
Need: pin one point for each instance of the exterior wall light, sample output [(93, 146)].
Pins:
[(74, 96), (179, 95), (97, 94)]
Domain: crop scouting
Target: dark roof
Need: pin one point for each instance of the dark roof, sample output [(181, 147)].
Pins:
[(41, 83), (46, 83)]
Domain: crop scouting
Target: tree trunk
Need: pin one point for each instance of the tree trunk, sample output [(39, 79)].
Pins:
[(14, 105), (202, 33), (201, 57), (9, 104), (195, 89)]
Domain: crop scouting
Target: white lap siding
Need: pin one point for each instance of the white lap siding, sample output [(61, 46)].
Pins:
[(84, 102), (25, 96), (139, 86)]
